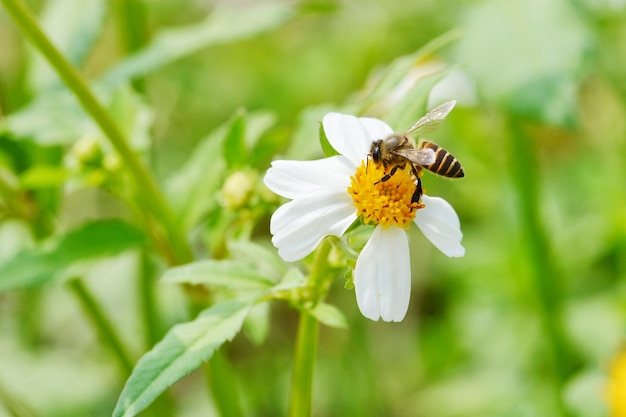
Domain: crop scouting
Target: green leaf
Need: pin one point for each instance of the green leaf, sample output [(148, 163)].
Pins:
[(398, 70), (225, 273), (265, 260), (259, 151), (132, 115), (53, 118), (191, 190), (242, 137), (182, 350), (93, 240), (293, 278), (225, 24), (302, 144), (43, 176), (329, 315), (234, 146), (257, 324), (413, 105), (327, 148)]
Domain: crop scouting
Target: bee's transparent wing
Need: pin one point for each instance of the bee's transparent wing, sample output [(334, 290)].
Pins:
[(433, 119), (424, 156)]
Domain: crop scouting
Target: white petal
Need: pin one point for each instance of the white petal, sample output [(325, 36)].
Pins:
[(382, 278), (440, 224), (352, 136), (292, 179), (300, 225)]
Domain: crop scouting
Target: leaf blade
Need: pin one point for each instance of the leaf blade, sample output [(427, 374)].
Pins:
[(182, 350), (218, 273), (173, 44), (95, 239)]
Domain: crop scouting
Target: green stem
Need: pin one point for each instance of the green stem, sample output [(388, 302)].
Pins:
[(223, 384), (152, 196), (163, 406), (147, 302), (302, 378), (545, 278), (307, 339), (102, 324), (132, 23)]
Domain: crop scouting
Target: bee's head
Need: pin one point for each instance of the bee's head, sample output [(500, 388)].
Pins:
[(375, 151)]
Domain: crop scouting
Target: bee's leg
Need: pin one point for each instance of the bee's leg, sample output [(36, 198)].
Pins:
[(417, 195), (386, 177)]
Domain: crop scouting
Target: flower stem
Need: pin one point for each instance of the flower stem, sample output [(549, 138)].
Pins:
[(104, 328), (147, 300), (102, 324), (223, 384), (132, 27), (302, 378), (307, 338), (153, 199), (545, 279), (132, 23)]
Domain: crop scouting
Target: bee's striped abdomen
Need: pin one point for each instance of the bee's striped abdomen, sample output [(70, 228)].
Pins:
[(445, 163)]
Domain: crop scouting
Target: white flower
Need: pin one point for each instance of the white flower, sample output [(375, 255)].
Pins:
[(324, 202)]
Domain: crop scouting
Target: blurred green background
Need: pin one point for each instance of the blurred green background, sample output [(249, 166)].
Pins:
[(526, 324)]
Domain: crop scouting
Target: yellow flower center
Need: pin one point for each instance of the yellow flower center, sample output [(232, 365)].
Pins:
[(617, 386), (384, 202)]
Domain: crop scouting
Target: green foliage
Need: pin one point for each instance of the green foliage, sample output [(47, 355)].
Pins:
[(74, 26), (525, 324), (226, 273), (225, 24), (182, 350), (329, 315), (327, 148), (93, 240)]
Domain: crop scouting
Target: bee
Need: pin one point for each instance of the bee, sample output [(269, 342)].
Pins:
[(396, 150)]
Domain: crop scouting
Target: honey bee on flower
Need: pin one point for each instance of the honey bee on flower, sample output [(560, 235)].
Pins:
[(384, 189)]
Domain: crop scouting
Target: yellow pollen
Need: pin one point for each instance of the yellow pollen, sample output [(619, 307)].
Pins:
[(384, 202)]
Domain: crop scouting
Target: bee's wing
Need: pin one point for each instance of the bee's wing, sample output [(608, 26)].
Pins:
[(424, 156), (433, 119)]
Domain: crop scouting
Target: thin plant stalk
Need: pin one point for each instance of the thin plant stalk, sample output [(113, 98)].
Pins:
[(144, 181), (223, 385), (147, 300), (544, 276), (304, 360), (102, 325), (133, 29), (107, 333), (300, 401), (178, 250), (131, 15)]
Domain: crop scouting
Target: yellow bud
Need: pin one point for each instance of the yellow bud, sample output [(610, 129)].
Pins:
[(112, 162), (87, 150), (237, 189)]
